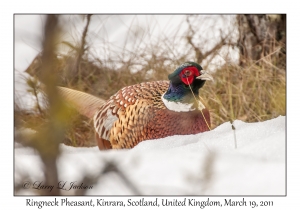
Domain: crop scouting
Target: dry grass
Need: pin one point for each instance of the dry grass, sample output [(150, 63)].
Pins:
[(252, 95)]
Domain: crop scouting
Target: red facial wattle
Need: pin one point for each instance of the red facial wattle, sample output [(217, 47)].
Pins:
[(188, 74)]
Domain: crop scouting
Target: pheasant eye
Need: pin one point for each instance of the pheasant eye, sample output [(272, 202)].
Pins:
[(187, 73)]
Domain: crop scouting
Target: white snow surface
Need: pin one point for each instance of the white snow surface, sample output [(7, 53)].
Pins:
[(202, 164)]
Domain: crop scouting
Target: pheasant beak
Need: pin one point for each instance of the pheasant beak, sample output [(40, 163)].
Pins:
[(205, 76)]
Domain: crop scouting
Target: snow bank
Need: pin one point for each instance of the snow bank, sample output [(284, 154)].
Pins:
[(202, 164)]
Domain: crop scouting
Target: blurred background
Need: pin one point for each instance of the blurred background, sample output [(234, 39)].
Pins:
[(100, 54)]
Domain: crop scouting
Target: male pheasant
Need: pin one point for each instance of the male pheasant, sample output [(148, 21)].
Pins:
[(149, 110)]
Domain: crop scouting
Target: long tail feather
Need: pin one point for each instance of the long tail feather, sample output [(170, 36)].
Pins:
[(84, 103)]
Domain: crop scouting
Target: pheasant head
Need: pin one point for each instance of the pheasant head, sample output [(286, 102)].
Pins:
[(185, 82)]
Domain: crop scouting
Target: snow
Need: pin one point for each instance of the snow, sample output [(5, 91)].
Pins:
[(201, 164)]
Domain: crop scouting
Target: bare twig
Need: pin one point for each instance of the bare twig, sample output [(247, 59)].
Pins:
[(82, 47)]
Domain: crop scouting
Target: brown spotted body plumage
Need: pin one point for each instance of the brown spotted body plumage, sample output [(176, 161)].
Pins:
[(129, 110)]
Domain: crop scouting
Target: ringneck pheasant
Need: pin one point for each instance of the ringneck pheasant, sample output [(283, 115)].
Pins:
[(149, 110)]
